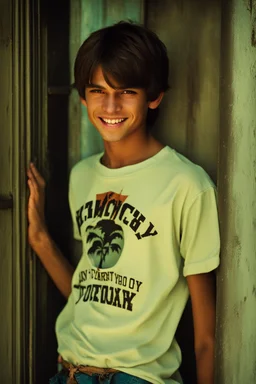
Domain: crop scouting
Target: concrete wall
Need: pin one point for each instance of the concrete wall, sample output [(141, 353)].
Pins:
[(236, 330)]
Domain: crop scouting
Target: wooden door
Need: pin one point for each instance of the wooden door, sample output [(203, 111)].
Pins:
[(21, 139), (14, 259)]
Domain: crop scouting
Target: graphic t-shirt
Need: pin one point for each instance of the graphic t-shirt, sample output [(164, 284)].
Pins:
[(144, 228)]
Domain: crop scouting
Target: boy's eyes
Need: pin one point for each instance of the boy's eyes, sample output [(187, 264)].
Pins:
[(124, 91), (128, 92), (96, 91)]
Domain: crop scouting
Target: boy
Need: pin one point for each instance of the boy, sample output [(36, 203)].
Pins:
[(148, 222)]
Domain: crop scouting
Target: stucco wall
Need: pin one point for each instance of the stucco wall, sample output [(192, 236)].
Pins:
[(236, 331)]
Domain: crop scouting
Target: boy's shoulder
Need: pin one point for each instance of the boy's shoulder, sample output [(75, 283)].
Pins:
[(185, 172)]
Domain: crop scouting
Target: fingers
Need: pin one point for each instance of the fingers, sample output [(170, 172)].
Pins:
[(35, 176), (33, 188), (32, 183)]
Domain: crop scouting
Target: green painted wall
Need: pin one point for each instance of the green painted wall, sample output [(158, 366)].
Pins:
[(236, 331)]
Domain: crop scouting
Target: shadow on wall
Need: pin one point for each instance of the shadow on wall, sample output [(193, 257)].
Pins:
[(185, 339)]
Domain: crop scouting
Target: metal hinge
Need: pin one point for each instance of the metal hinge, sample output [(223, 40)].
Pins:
[(6, 202)]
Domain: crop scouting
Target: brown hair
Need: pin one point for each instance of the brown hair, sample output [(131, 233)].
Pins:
[(129, 53)]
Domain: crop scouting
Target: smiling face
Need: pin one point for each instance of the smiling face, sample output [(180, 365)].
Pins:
[(117, 114)]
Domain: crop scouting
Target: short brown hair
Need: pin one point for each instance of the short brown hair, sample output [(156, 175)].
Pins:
[(129, 53)]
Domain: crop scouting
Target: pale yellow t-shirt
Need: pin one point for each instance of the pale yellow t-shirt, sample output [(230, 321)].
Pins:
[(144, 228)]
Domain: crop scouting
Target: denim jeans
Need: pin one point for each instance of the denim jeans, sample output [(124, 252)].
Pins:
[(112, 378)]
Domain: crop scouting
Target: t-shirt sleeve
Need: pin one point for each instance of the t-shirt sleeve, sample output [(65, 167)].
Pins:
[(200, 239), (76, 233)]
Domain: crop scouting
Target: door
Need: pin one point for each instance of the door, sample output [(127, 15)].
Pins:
[(22, 124), (14, 263)]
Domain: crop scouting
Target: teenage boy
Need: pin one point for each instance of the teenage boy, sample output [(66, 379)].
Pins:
[(148, 222)]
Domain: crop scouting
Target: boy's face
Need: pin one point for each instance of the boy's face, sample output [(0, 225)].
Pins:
[(117, 114)]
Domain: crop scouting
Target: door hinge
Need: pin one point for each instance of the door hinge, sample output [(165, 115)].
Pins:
[(6, 202)]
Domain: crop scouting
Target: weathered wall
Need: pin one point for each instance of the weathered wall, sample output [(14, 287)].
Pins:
[(236, 330), (189, 113)]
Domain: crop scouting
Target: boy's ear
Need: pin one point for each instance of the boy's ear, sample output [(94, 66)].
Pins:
[(155, 103), (83, 101)]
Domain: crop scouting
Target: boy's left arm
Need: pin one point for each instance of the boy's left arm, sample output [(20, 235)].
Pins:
[(203, 298)]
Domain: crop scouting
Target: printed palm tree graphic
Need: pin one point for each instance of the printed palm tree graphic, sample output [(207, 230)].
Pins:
[(103, 237)]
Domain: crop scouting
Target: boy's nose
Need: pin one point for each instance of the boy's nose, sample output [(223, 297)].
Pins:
[(111, 104)]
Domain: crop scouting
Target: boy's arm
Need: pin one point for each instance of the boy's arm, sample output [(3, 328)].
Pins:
[(202, 292), (51, 257)]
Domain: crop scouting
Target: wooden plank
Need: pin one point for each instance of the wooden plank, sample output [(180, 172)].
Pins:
[(6, 259)]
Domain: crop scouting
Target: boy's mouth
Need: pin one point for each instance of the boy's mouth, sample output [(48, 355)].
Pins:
[(113, 121)]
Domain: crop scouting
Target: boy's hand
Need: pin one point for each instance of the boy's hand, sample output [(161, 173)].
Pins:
[(36, 219), (48, 252)]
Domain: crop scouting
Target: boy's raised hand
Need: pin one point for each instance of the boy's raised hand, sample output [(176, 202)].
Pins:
[(36, 218)]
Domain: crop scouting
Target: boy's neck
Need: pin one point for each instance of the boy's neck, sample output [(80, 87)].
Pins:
[(120, 154)]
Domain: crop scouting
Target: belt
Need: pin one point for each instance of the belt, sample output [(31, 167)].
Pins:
[(72, 369)]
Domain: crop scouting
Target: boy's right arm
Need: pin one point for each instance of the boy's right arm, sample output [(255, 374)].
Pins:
[(39, 239)]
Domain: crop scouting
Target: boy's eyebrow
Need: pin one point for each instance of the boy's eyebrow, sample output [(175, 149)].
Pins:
[(91, 85)]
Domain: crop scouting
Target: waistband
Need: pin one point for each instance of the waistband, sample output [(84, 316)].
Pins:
[(72, 369)]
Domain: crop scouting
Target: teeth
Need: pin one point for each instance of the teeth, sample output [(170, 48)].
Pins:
[(113, 121)]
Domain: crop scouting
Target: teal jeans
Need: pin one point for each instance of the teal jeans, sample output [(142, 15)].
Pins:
[(111, 378)]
